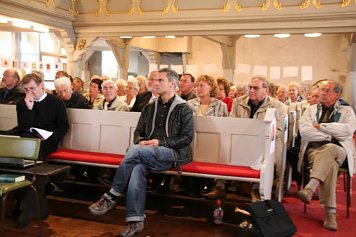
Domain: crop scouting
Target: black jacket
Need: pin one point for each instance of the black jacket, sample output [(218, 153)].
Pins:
[(13, 96), (179, 128)]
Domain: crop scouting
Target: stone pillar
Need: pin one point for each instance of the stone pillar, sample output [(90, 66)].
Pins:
[(350, 85)]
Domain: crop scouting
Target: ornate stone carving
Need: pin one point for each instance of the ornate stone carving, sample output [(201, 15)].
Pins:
[(171, 4), (139, 8), (72, 8), (103, 6)]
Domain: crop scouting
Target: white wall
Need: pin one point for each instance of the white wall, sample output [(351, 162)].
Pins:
[(327, 55)]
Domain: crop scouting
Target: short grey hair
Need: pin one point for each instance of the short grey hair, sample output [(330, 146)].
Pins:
[(109, 82), (171, 75), (62, 81)]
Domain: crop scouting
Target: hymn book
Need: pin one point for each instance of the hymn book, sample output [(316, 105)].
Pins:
[(11, 178)]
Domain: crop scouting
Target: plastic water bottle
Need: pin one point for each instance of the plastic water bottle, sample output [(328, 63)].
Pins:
[(218, 213)]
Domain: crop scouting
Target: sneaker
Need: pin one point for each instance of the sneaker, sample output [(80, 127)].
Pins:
[(132, 228), (305, 195), (105, 204), (330, 221)]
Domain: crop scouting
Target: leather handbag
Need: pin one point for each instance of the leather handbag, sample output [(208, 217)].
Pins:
[(271, 219)]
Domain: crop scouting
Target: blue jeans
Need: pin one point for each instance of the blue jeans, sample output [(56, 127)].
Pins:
[(130, 177)]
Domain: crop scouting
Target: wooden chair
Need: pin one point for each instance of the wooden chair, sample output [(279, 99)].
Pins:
[(19, 148), (347, 182)]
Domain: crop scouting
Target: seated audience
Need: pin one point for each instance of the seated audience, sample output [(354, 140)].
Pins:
[(131, 92), (110, 101), (105, 77), (148, 96), (224, 88), (11, 93), (78, 85), (143, 83), (327, 130), (313, 96), (155, 149), (282, 94), (293, 92), (186, 86), (72, 99), (254, 106), (232, 92), (121, 87), (41, 110), (94, 94), (61, 74), (241, 90), (206, 104)]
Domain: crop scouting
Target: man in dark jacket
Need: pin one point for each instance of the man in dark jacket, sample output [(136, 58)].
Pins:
[(162, 140), (11, 93)]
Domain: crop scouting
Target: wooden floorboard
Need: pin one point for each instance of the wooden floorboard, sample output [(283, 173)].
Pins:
[(166, 216)]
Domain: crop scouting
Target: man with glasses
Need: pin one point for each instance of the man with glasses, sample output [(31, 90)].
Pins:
[(41, 110), (254, 106), (11, 93), (327, 129), (162, 140), (186, 87)]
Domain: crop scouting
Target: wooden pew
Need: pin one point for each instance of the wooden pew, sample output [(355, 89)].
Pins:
[(224, 148)]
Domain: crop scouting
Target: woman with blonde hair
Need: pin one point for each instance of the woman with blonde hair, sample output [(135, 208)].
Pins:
[(206, 104)]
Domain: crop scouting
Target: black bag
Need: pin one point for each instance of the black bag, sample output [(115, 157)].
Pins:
[(271, 219)]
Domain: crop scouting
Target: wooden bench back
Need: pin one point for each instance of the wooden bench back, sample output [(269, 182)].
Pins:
[(218, 140)]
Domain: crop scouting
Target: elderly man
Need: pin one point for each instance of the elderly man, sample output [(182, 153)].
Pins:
[(254, 106), (163, 136), (72, 99), (327, 129), (110, 101), (11, 93)]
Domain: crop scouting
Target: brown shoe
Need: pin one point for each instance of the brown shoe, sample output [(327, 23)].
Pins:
[(305, 195), (215, 193), (330, 221)]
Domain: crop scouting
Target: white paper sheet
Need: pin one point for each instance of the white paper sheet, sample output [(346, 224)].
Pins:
[(275, 73), (307, 73)]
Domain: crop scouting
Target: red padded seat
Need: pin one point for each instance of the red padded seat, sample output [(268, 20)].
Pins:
[(221, 169), (86, 156)]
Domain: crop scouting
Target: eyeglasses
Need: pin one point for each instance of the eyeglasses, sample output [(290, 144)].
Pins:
[(255, 88), (327, 90)]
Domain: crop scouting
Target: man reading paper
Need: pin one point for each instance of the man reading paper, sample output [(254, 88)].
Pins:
[(42, 111)]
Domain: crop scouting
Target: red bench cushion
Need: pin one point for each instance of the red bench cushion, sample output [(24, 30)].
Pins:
[(86, 156), (221, 169), (193, 167)]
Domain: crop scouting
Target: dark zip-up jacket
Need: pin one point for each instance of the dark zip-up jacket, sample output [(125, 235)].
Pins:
[(179, 129)]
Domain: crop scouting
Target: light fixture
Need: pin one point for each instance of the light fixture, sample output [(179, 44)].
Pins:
[(280, 36), (149, 37), (126, 37), (252, 36), (40, 28), (4, 20), (312, 35), (170, 36), (22, 24)]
